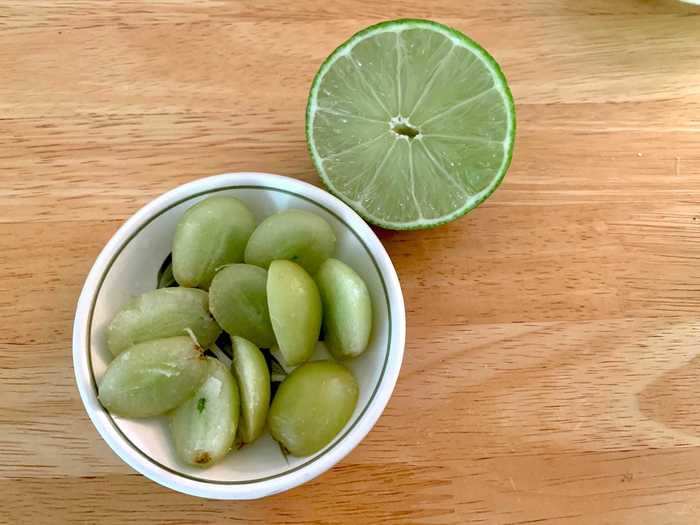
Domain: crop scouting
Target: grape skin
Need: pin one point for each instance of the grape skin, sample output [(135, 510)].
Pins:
[(295, 310), (153, 377), (295, 235)]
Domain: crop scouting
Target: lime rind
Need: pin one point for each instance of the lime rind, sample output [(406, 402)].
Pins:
[(500, 84)]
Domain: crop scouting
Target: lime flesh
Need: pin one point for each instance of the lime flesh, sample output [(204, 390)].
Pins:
[(411, 123)]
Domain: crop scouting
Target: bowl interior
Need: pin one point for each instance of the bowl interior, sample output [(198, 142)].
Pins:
[(133, 270)]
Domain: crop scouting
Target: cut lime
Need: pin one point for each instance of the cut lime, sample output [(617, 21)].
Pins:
[(411, 123)]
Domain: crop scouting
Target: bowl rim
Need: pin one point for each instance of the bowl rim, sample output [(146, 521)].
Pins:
[(180, 482)]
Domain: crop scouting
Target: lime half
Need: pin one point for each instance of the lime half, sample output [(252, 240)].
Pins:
[(411, 123)]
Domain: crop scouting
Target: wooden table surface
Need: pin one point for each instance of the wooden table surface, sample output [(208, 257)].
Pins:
[(551, 373)]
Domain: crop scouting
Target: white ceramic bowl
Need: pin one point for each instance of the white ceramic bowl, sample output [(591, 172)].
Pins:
[(127, 266)]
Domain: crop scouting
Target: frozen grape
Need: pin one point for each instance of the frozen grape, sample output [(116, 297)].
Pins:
[(312, 405), (295, 235), (295, 310), (211, 234), (250, 369), (238, 301), (153, 377), (204, 426), (347, 309), (166, 312)]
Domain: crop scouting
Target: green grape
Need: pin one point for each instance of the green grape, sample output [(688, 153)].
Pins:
[(295, 310), (204, 426), (347, 309), (153, 377), (250, 369), (297, 235), (312, 405), (211, 234), (165, 312), (238, 301)]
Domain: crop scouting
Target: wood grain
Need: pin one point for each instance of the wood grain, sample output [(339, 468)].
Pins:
[(551, 370)]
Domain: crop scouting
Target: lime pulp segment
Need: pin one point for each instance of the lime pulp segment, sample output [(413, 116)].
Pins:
[(411, 123)]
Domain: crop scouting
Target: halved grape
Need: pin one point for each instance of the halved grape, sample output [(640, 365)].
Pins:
[(204, 426), (295, 310), (347, 309), (296, 235), (212, 233), (312, 405), (238, 301), (250, 369), (153, 377), (165, 312)]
